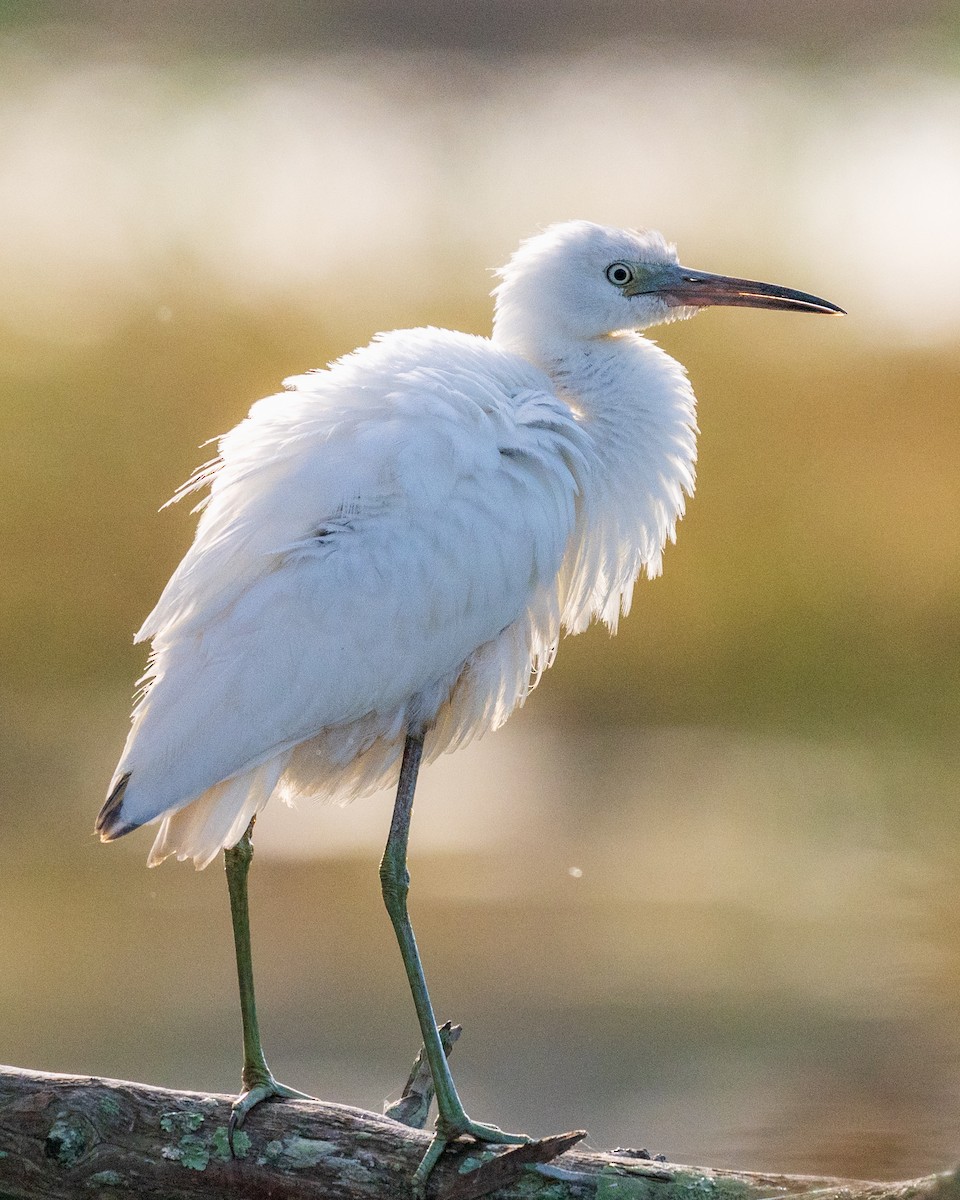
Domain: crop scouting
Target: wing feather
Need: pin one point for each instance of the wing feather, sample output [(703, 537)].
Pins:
[(367, 536)]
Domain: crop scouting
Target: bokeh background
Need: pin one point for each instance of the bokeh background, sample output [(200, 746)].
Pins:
[(701, 895)]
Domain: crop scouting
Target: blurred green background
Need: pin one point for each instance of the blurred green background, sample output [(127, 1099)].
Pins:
[(701, 895)]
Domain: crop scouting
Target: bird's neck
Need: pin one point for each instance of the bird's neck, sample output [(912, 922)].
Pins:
[(638, 410)]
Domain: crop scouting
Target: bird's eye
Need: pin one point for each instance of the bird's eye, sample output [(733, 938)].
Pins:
[(620, 274)]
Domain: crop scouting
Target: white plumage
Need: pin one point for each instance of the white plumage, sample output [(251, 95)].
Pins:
[(397, 541), (388, 555)]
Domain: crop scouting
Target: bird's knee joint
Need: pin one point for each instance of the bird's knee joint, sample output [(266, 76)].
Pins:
[(394, 881), (241, 854)]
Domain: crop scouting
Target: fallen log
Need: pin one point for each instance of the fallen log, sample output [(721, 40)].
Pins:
[(68, 1136)]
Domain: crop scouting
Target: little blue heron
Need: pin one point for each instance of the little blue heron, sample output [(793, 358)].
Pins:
[(388, 554)]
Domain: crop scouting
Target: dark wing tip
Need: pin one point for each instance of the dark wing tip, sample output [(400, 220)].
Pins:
[(110, 823)]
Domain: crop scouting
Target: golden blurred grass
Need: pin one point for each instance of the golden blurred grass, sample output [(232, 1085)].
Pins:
[(816, 579)]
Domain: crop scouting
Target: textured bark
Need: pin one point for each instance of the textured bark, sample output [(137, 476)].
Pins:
[(64, 1137)]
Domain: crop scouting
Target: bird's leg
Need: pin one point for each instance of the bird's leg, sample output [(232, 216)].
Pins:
[(258, 1082), (452, 1121)]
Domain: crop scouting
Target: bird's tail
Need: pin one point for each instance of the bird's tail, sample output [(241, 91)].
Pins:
[(200, 829), (110, 823)]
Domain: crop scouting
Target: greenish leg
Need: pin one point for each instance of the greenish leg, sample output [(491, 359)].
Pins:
[(258, 1082), (452, 1120)]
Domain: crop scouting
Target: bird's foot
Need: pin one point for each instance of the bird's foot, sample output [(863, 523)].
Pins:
[(449, 1131), (253, 1093)]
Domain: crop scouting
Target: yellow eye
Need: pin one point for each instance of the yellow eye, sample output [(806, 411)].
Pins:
[(620, 274)]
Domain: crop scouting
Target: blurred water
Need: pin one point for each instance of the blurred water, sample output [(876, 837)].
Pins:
[(273, 177), (733, 949)]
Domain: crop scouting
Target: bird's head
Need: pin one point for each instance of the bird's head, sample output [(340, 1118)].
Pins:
[(578, 281)]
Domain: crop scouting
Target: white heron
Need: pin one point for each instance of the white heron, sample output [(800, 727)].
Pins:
[(388, 554)]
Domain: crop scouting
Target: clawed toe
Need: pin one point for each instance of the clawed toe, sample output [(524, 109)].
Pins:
[(448, 1132), (493, 1133), (252, 1096)]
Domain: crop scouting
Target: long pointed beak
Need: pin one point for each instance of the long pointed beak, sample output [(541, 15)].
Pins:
[(681, 287)]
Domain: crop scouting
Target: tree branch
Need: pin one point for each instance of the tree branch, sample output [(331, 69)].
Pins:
[(66, 1136)]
